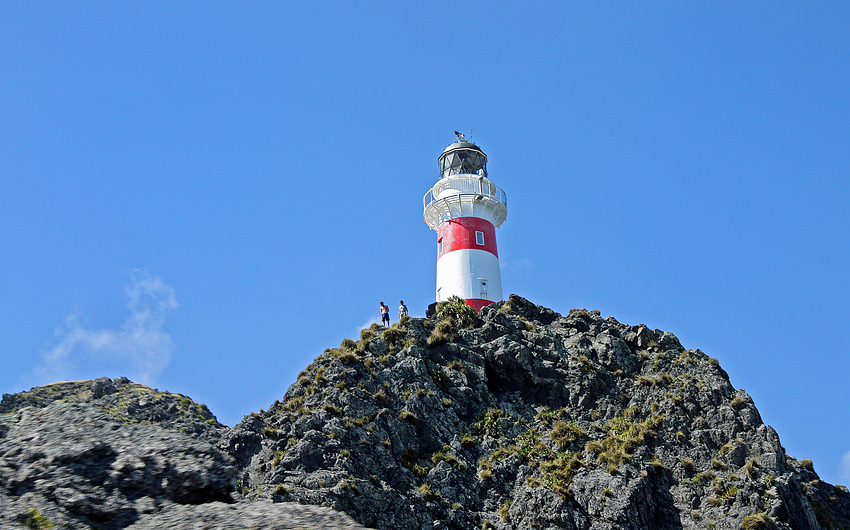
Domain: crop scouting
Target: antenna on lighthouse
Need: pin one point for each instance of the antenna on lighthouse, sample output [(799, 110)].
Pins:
[(462, 137)]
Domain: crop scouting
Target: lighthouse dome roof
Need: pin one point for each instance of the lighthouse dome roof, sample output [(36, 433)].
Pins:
[(461, 145), (462, 157)]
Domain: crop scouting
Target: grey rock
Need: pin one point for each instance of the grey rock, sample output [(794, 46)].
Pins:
[(126, 402), (529, 419), (82, 469), (525, 420), (247, 516)]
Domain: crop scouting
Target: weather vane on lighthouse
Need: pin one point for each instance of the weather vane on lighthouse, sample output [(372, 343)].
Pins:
[(465, 208)]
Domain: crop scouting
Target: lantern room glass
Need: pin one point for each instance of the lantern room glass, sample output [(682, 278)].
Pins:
[(463, 161)]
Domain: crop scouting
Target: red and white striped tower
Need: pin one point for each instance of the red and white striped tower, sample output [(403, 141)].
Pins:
[(465, 207)]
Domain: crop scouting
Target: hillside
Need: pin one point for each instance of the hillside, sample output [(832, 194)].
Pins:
[(518, 418)]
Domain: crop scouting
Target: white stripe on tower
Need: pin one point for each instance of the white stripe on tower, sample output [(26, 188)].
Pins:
[(465, 207)]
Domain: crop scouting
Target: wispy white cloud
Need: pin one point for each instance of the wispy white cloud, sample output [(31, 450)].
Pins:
[(376, 319), (845, 465), (139, 348)]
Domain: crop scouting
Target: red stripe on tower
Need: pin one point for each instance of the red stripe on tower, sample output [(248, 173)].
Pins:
[(466, 232), (477, 303)]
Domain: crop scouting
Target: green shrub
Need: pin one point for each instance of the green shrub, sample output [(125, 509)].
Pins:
[(436, 338), (656, 462), (585, 363), (36, 521), (407, 416), (504, 512), (427, 493), (558, 474), (738, 402), (445, 455), (564, 434), (582, 313), (750, 468), (485, 469), (349, 358), (456, 311), (330, 408), (717, 464), (662, 379), (440, 379), (728, 496), (489, 421), (392, 334), (683, 357), (456, 365), (623, 436), (758, 520), (703, 477)]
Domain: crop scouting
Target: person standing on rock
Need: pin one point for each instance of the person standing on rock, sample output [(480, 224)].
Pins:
[(385, 314), (402, 310)]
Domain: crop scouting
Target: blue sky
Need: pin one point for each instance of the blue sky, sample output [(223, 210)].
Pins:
[(203, 196)]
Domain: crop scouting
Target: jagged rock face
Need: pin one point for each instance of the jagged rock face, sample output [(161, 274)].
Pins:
[(85, 455), (80, 468), (526, 420), (126, 402)]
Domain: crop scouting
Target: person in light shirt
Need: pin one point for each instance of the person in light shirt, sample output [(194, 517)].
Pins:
[(385, 315)]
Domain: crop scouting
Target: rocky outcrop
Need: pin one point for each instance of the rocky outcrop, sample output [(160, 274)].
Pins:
[(519, 418), (72, 465), (81, 469), (527, 419), (126, 402)]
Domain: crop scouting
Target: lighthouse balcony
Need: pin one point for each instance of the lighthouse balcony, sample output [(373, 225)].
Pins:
[(465, 196)]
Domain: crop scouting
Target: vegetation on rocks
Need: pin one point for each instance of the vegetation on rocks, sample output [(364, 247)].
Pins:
[(514, 418), (528, 419)]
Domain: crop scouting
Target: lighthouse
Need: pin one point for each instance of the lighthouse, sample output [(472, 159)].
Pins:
[(465, 208)]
